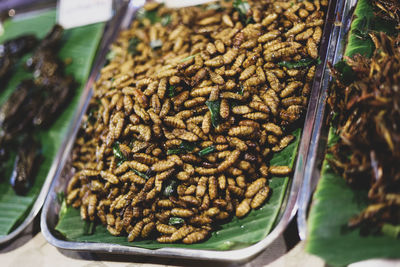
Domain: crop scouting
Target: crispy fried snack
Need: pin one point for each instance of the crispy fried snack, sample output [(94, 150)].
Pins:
[(187, 113)]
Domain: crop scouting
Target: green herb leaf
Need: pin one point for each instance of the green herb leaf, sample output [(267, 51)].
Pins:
[(150, 15), (243, 8), (91, 116), (155, 44), (183, 148), (132, 46), (391, 230), (188, 146), (63, 208), (166, 20), (118, 154), (214, 107), (188, 58), (364, 28), (141, 174), (171, 91), (175, 221), (60, 196), (110, 55), (207, 151), (302, 63), (89, 228), (241, 91), (170, 188), (214, 6), (177, 151), (346, 72)]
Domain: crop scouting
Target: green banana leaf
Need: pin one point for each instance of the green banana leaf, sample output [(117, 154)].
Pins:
[(80, 45), (334, 202), (235, 234)]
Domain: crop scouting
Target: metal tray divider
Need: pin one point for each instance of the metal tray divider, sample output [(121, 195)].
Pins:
[(320, 129), (50, 210)]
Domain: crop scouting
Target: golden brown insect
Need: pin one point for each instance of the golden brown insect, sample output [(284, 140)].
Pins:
[(148, 229), (217, 61), (312, 48), (165, 229), (290, 88), (194, 102), (254, 187), (182, 232), (237, 143), (185, 135), (109, 177), (273, 128), (133, 178), (260, 197), (195, 237), (144, 158), (269, 19), (179, 212), (135, 232), (191, 200), (165, 108), (280, 170), (241, 110), (174, 122), (201, 186), (229, 161), (304, 35), (256, 116), (165, 203), (243, 208), (240, 131), (212, 187), (241, 181)]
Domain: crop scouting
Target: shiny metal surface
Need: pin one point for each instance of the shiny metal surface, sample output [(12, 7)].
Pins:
[(341, 26), (51, 207)]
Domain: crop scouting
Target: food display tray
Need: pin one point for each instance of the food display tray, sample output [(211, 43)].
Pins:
[(319, 137), (51, 208), (36, 10)]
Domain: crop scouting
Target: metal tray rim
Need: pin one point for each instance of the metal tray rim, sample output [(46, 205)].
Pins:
[(229, 255), (317, 149)]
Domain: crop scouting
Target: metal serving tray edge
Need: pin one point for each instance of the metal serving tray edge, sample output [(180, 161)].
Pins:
[(316, 154), (49, 216), (55, 164)]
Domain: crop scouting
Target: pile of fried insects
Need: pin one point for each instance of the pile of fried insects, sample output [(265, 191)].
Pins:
[(188, 112), (367, 154)]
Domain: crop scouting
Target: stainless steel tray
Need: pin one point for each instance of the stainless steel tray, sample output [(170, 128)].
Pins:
[(26, 11), (51, 207), (316, 155)]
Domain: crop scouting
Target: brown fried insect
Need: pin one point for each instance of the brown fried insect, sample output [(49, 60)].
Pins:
[(260, 197), (165, 229), (280, 170), (243, 208), (135, 232), (195, 237), (254, 187)]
